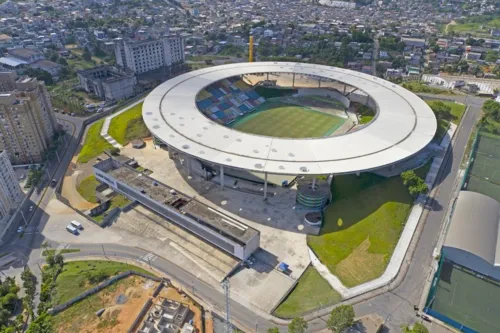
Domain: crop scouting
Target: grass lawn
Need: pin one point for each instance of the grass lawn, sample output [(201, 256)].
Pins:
[(366, 114), (128, 126), (457, 110), (73, 280), (311, 291), (94, 143), (288, 121), (116, 201), (442, 128), (87, 189), (362, 225)]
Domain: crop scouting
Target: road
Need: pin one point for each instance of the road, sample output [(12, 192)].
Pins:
[(395, 306)]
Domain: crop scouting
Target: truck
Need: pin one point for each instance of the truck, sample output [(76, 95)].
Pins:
[(77, 225)]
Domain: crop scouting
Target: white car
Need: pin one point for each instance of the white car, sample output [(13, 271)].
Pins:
[(31, 208), (20, 229)]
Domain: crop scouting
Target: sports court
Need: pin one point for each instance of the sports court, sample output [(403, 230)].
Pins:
[(468, 299), (284, 120), (484, 173)]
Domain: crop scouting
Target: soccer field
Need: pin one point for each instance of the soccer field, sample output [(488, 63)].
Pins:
[(288, 121)]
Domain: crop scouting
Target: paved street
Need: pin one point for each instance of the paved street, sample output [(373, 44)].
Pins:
[(395, 306)]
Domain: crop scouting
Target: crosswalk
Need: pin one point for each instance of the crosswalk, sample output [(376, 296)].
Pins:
[(150, 257)]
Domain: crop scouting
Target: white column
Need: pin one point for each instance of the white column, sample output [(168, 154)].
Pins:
[(314, 183), (265, 185), (330, 179), (222, 176), (188, 164)]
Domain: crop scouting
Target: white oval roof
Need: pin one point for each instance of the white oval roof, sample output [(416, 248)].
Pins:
[(404, 125)]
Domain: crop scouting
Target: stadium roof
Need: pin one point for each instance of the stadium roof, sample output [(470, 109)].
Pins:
[(403, 126), (474, 226)]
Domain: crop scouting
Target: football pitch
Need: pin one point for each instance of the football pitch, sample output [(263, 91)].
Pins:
[(288, 121)]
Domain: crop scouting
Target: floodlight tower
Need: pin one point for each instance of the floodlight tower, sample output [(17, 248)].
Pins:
[(250, 49)]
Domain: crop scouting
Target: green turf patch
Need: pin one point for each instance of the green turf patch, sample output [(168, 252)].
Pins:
[(128, 126), (468, 299), (362, 225), (311, 291), (73, 279), (86, 188), (288, 121), (94, 143)]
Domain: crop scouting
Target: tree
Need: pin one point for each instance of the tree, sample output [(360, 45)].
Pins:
[(62, 61), (273, 330), (297, 325), (42, 324), (409, 177), (417, 328), (86, 55), (40, 75), (29, 285), (420, 187), (341, 318), (441, 110)]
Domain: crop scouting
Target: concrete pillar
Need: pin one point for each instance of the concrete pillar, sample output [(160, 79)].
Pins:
[(188, 165), (222, 176), (314, 183), (267, 76), (367, 100), (330, 179), (170, 153), (319, 83), (265, 185), (293, 80), (345, 88), (357, 174)]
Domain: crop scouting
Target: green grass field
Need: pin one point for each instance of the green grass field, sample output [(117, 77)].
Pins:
[(288, 121), (73, 281), (362, 225), (128, 126), (479, 29), (94, 143), (457, 110), (467, 299), (311, 291), (86, 188)]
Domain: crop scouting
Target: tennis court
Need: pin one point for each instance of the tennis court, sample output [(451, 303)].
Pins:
[(484, 172), (467, 299)]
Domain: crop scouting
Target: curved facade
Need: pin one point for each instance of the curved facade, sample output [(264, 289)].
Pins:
[(404, 125)]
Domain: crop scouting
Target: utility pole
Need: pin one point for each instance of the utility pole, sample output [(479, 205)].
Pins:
[(228, 327)]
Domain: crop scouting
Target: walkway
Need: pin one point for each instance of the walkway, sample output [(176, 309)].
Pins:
[(404, 241), (107, 122)]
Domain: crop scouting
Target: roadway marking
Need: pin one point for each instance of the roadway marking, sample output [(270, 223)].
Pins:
[(149, 257)]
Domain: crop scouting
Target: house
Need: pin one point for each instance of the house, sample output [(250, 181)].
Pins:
[(48, 66), (28, 55), (413, 42), (392, 73), (473, 56)]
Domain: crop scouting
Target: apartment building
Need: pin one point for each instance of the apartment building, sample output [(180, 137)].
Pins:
[(10, 191), (147, 55), (27, 120)]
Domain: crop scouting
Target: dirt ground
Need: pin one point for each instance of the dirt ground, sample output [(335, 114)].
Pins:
[(117, 318), (74, 175)]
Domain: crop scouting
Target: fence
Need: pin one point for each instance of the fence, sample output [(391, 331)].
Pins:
[(449, 321), (141, 315), (61, 307)]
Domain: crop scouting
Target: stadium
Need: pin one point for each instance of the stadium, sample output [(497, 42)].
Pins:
[(252, 120)]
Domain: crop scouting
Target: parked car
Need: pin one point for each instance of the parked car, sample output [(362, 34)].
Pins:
[(20, 229), (72, 229), (77, 225), (31, 208)]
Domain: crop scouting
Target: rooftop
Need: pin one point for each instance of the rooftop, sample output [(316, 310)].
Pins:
[(404, 125), (192, 208)]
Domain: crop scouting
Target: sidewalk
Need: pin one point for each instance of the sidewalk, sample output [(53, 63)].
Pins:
[(107, 122), (404, 241)]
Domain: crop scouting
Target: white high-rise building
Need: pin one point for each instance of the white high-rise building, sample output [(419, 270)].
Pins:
[(147, 55), (10, 191)]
